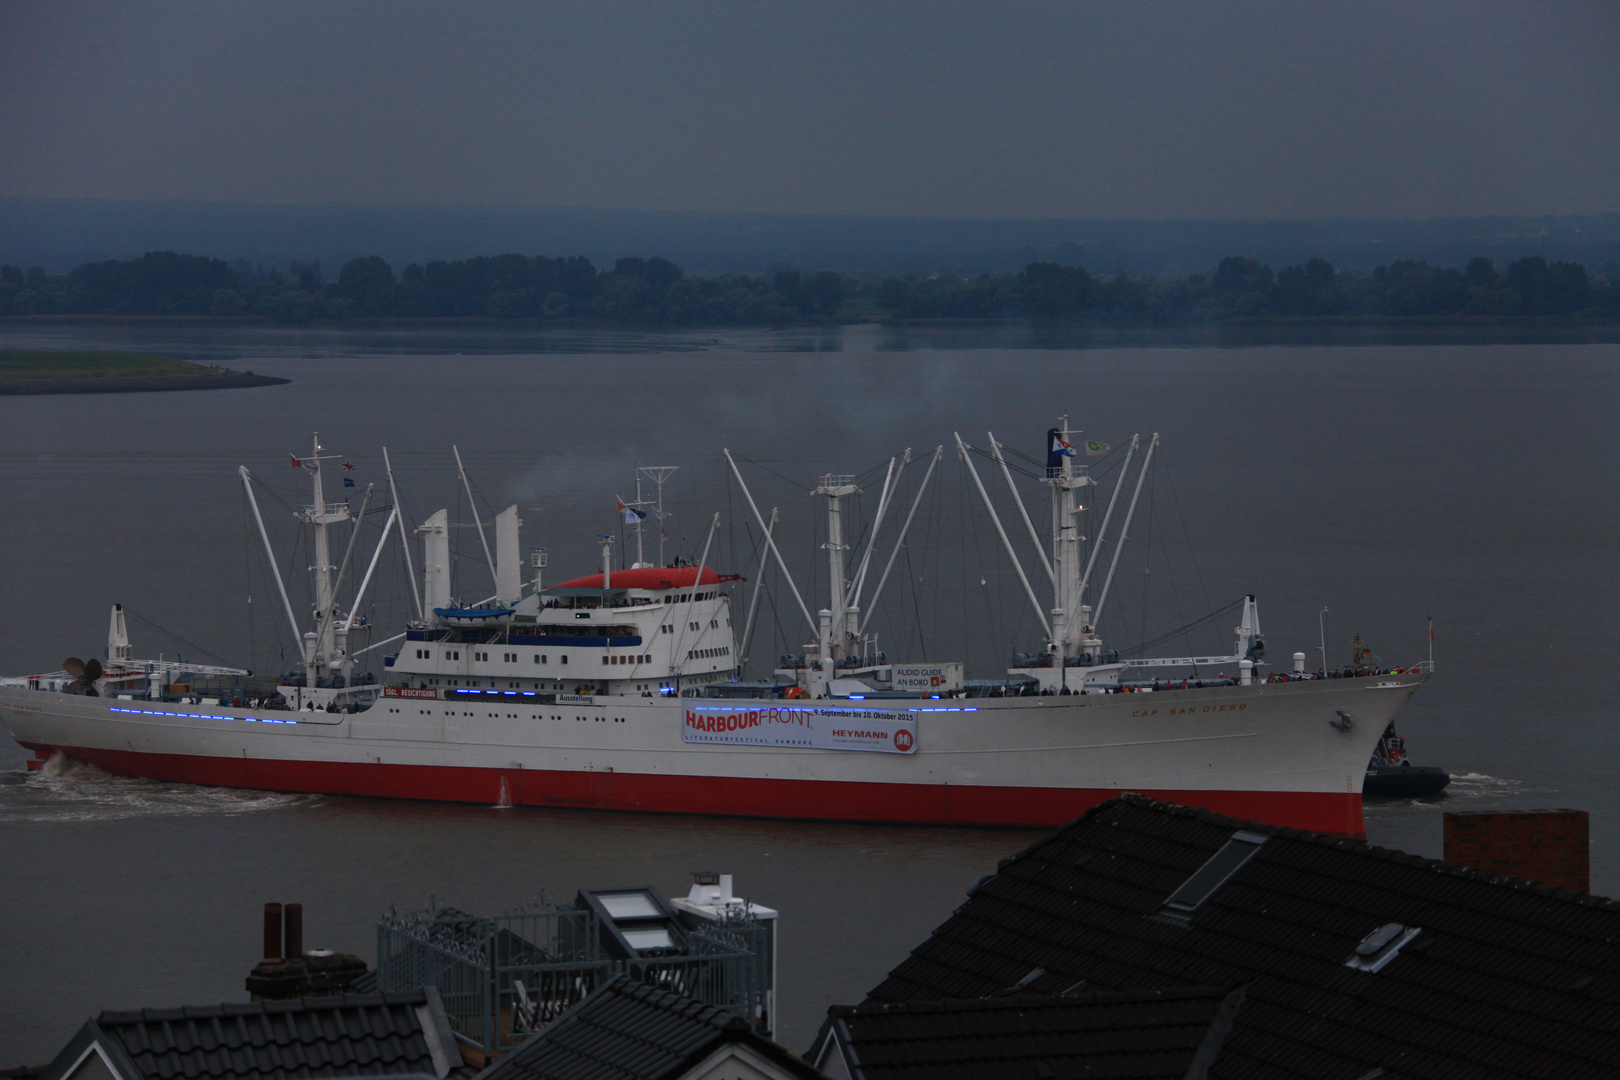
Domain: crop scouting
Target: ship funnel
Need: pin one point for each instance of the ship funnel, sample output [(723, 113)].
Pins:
[(435, 533), (508, 564), (117, 636)]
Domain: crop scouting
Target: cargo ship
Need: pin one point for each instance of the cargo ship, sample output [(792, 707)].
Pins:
[(621, 689)]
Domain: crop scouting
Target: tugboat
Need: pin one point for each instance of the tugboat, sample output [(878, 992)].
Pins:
[(1391, 774)]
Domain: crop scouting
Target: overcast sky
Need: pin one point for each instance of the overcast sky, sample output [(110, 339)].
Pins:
[(1137, 110)]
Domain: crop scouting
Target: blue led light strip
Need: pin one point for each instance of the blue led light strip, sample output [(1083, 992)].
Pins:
[(202, 716), (497, 693)]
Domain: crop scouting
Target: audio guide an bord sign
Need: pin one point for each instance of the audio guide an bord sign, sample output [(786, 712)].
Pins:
[(818, 727)]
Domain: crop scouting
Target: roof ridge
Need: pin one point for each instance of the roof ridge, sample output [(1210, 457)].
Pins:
[(1095, 997), (1344, 843), (1063, 830), (174, 1013), (671, 1002)]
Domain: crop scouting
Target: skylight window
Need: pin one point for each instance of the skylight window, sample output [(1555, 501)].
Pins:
[(633, 905), (1018, 987), (1231, 858), (648, 937), (1381, 946)]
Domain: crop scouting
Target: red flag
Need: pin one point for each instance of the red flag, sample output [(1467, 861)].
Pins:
[(296, 463)]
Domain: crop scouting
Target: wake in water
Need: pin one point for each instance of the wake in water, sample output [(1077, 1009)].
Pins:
[(64, 790), (1476, 785), (1469, 786), (1479, 786)]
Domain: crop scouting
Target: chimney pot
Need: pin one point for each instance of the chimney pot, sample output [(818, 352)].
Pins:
[(272, 933), (294, 915)]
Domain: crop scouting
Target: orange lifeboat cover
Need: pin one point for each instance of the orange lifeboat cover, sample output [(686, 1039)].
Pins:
[(651, 577)]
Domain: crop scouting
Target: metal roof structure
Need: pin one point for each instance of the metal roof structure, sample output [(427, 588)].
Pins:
[(631, 1031), (503, 977), (394, 1034), (1356, 961)]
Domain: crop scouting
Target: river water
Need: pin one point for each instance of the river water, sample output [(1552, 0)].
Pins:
[(1477, 485)]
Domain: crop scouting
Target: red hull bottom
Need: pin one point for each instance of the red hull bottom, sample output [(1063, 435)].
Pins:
[(818, 800)]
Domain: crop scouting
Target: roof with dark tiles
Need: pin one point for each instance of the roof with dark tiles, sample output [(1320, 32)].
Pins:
[(1130, 1035), (383, 1034), (1505, 978), (631, 1031)]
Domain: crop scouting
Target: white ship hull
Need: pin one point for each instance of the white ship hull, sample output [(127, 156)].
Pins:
[(1274, 752)]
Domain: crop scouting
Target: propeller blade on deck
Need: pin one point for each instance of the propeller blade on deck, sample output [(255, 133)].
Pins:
[(92, 670), (74, 667)]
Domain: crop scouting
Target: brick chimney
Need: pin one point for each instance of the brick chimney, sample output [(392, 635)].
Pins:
[(1550, 846)]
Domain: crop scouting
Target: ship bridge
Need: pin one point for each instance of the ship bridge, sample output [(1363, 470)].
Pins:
[(639, 631)]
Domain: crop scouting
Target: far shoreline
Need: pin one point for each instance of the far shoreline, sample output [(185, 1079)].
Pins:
[(226, 380), (1077, 333), (80, 371)]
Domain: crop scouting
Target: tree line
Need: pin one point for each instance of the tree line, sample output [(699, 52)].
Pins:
[(656, 291), (501, 287), (1242, 288)]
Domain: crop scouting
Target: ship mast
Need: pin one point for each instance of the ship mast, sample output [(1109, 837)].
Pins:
[(320, 646), (836, 629), (657, 474), (1064, 476)]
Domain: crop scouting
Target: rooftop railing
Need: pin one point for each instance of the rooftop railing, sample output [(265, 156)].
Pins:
[(502, 977)]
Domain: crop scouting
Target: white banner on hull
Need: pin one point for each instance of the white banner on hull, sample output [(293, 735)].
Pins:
[(821, 727)]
